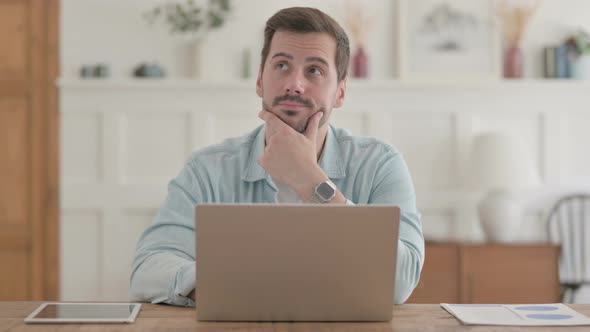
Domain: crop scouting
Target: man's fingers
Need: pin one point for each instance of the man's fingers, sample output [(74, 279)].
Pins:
[(267, 116), (270, 118), (313, 126), (264, 115), (273, 122)]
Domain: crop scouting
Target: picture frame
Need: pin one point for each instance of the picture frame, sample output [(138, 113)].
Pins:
[(448, 40)]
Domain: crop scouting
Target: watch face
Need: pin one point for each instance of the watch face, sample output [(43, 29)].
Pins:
[(325, 191)]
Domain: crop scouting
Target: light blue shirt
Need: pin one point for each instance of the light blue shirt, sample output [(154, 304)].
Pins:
[(364, 169)]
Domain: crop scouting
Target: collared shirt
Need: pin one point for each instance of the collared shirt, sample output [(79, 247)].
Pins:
[(364, 169)]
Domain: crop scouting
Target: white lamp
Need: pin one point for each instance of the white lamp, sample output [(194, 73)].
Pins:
[(500, 165)]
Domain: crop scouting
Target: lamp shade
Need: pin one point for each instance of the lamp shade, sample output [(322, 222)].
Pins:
[(501, 161)]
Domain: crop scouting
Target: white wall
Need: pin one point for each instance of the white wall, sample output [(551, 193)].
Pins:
[(114, 32)]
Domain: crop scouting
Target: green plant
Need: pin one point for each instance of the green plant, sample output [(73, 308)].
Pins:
[(188, 16), (582, 42)]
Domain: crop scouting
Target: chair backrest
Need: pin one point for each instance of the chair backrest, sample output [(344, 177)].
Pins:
[(568, 224)]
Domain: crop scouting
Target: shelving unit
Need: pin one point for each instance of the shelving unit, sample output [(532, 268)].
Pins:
[(557, 84)]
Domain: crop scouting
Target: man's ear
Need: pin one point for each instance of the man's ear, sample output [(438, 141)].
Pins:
[(341, 93), (259, 82)]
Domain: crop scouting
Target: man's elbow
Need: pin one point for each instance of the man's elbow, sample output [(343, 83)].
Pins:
[(136, 292), (409, 268)]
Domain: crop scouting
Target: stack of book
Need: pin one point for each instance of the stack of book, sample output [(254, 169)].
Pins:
[(556, 61), (565, 60)]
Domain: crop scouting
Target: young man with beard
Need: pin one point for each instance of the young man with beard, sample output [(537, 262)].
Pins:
[(301, 80)]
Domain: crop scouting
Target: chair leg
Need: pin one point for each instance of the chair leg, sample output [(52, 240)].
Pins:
[(567, 295), (573, 295)]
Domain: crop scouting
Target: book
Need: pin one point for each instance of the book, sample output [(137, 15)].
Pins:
[(549, 62), (562, 61)]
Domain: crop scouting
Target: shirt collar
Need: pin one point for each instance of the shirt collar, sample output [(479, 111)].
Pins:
[(331, 160)]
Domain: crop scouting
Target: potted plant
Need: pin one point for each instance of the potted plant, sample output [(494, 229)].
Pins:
[(191, 20), (515, 17), (580, 65)]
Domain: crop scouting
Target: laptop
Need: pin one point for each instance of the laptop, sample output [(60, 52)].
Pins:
[(273, 262)]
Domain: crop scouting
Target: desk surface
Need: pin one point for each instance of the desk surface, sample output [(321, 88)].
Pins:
[(407, 317)]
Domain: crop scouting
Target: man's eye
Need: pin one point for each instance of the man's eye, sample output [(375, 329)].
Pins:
[(315, 71), (281, 66)]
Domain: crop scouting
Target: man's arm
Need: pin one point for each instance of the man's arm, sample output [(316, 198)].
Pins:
[(393, 186), (164, 268), (292, 158)]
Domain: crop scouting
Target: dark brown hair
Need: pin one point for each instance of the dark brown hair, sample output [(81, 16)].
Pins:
[(306, 20)]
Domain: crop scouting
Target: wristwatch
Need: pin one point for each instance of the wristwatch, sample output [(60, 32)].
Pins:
[(324, 192)]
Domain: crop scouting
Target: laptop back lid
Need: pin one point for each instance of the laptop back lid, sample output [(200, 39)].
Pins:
[(296, 262)]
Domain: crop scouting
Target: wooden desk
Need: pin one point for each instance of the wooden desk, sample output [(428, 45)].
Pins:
[(408, 317)]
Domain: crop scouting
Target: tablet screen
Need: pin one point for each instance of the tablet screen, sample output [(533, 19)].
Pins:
[(84, 312)]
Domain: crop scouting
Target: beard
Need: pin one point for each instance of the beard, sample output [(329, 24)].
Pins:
[(288, 116)]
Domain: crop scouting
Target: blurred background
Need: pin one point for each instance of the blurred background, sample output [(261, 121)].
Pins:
[(101, 102)]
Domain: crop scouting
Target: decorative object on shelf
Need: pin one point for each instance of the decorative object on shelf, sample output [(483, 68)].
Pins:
[(580, 67), (500, 165), (562, 62), (191, 20), (149, 70), (579, 56), (570, 59), (95, 71), (87, 71), (513, 62), (360, 63), (515, 17), (550, 62), (447, 40), (557, 61), (359, 24), (102, 70)]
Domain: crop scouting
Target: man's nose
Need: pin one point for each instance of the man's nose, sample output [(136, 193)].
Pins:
[(295, 84)]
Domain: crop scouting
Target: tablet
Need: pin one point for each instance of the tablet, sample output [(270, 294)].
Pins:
[(55, 312)]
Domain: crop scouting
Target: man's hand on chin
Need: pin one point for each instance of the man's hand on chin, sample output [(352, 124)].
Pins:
[(291, 157)]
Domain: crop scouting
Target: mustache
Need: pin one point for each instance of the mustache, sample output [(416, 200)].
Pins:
[(296, 99)]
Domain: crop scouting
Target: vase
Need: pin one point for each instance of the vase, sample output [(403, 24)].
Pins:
[(360, 63), (580, 67), (500, 215), (513, 62)]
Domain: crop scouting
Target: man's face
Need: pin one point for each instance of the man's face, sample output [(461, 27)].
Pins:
[(300, 78)]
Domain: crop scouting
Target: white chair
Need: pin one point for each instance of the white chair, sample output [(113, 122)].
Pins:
[(568, 224)]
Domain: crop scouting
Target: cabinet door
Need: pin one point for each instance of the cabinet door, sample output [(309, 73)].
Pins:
[(29, 245), (509, 274), (439, 281)]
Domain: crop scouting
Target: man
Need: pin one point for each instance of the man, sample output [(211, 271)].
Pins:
[(295, 157)]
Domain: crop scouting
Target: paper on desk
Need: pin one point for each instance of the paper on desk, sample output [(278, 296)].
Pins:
[(552, 314)]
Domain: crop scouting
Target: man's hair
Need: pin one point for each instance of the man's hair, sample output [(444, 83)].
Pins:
[(306, 20)]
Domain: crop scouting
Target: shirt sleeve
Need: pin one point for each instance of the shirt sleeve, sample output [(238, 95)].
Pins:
[(164, 267), (393, 185)]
